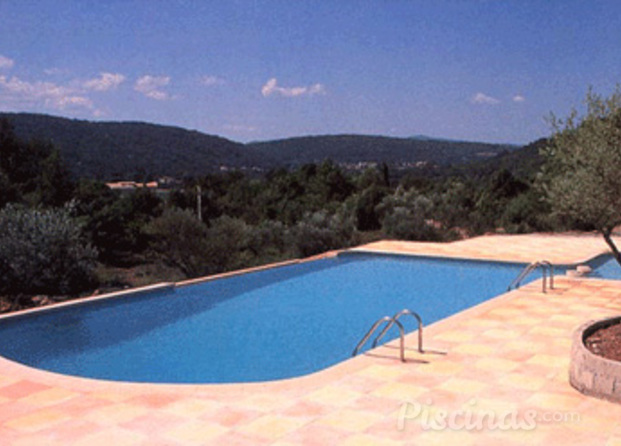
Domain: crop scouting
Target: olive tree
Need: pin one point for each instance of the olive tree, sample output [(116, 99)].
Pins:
[(43, 251), (581, 177)]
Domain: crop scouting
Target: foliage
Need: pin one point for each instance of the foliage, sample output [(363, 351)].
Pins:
[(32, 173), (408, 215), (181, 240), (367, 218), (116, 223), (43, 251), (581, 176), (320, 232)]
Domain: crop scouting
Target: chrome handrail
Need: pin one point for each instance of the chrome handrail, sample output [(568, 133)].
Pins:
[(545, 265), (372, 330), (395, 319)]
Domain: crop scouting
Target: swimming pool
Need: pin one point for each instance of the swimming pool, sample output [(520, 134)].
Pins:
[(273, 324)]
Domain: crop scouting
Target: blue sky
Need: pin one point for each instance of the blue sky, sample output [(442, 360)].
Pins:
[(485, 70)]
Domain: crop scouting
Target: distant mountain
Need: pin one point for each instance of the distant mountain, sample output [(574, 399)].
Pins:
[(110, 150), (524, 162), (135, 150), (352, 149)]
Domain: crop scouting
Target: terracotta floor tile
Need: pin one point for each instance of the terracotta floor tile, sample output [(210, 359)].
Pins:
[(49, 397), (374, 404), (548, 360), (382, 372), (474, 349), (349, 420), (153, 422), (116, 413), (231, 416), (496, 364), (235, 438), (443, 367), (71, 431), (360, 383), (195, 432), (38, 420), (368, 440), (21, 389), (333, 395), (399, 391), (553, 401), (501, 334), (155, 401), (112, 436), (305, 408), (466, 386), (317, 434), (191, 407), (522, 381), (273, 427)]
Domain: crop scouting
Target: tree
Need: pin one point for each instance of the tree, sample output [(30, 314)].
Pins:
[(55, 186), (581, 175), (181, 240), (320, 232), (407, 215)]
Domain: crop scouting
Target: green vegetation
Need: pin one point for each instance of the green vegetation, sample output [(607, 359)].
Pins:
[(582, 178), (43, 252)]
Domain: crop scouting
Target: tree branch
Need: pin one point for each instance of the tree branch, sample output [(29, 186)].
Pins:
[(607, 232)]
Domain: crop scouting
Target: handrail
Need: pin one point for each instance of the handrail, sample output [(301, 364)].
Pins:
[(545, 265), (372, 330), (395, 318), (525, 272)]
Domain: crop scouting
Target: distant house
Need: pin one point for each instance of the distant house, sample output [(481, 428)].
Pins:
[(131, 185)]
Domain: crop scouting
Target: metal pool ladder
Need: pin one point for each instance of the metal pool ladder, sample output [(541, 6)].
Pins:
[(390, 321), (545, 266)]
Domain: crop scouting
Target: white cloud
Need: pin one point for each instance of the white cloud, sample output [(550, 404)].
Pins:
[(104, 82), (150, 86), (55, 71), (519, 98), (240, 128), (210, 81), (5, 62), (271, 87), (481, 98), (15, 90)]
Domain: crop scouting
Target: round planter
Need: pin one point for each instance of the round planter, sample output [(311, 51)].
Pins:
[(591, 374)]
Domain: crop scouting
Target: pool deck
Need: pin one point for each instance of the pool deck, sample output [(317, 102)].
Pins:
[(496, 373)]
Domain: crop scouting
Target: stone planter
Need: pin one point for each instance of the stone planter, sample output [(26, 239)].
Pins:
[(591, 374)]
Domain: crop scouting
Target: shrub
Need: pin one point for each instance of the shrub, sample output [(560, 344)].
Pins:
[(407, 217), (180, 240), (320, 232), (44, 252)]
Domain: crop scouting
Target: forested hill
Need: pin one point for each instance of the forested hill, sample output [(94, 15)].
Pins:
[(124, 150), (133, 150), (352, 149)]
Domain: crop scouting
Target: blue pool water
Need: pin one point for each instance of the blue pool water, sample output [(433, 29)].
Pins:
[(605, 267), (274, 324)]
